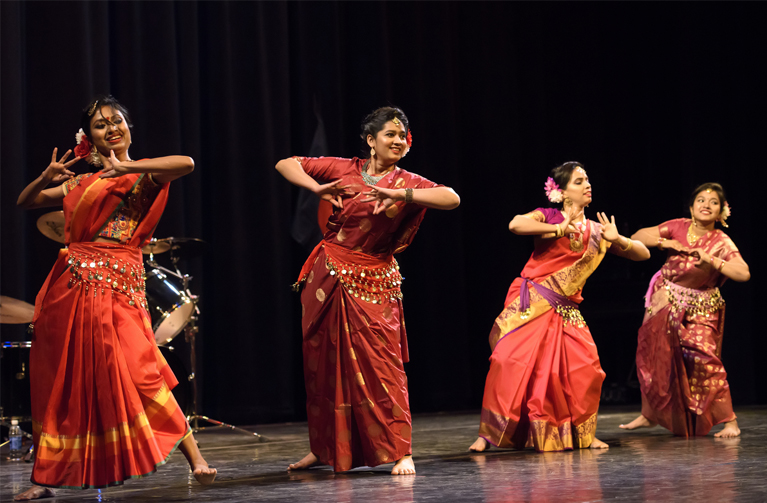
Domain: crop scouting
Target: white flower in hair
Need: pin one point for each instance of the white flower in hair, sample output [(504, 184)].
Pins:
[(79, 136)]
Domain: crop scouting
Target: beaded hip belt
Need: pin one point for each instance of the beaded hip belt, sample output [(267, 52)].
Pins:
[(696, 302), (100, 271), (370, 284)]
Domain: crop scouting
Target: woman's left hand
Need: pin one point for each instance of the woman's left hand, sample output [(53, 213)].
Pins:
[(383, 198), (609, 229), (114, 167), (703, 258)]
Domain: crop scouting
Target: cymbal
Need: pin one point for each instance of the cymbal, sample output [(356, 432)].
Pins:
[(185, 248), (52, 225), (155, 246), (15, 311)]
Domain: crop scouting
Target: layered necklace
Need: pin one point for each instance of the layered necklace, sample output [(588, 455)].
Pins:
[(373, 179), (692, 238)]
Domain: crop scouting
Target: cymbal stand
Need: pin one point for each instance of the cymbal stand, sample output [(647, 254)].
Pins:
[(190, 332)]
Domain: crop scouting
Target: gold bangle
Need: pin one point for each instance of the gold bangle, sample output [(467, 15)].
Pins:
[(559, 231), (721, 265), (408, 196), (628, 246)]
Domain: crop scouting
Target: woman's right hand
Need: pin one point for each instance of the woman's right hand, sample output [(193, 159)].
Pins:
[(332, 193), (571, 214), (58, 171)]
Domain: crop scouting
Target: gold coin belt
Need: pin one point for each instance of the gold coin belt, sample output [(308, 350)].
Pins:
[(571, 316), (374, 285), (695, 302), (101, 271)]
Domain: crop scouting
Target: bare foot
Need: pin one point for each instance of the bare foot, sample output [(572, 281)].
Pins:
[(479, 445), (598, 444), (308, 461), (640, 422), (730, 430), (204, 474), (35, 493), (404, 466)]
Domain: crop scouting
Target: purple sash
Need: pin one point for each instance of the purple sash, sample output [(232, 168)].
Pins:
[(552, 297)]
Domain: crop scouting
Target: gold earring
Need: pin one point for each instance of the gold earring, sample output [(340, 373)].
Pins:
[(693, 221), (372, 151)]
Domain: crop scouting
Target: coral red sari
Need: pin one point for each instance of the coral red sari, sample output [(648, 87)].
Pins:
[(354, 339), (684, 384), (545, 378), (102, 408)]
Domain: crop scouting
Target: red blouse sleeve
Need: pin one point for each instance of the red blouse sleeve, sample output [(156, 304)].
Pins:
[(673, 229), (730, 250), (326, 169)]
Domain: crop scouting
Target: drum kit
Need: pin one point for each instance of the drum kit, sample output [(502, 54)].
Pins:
[(171, 305)]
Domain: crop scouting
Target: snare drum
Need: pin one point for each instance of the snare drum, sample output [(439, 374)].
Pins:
[(169, 305), (15, 396)]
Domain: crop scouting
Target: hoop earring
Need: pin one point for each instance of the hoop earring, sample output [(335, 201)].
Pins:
[(372, 151)]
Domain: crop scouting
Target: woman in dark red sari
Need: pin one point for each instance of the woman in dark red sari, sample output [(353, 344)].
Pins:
[(354, 339), (684, 384), (545, 379), (102, 406)]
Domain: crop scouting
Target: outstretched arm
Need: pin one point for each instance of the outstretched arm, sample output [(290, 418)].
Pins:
[(163, 169), (439, 198), (35, 195)]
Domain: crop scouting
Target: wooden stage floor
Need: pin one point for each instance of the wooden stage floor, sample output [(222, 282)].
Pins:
[(645, 465)]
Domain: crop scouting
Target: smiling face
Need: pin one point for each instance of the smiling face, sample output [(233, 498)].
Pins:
[(578, 188), (706, 207), (110, 131), (390, 143)]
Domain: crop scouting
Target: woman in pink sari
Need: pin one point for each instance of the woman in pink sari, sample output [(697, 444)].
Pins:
[(102, 406), (354, 339), (545, 379), (683, 381)]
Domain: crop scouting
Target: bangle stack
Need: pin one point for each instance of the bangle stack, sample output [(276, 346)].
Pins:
[(628, 246), (559, 232), (408, 196), (660, 241), (721, 265)]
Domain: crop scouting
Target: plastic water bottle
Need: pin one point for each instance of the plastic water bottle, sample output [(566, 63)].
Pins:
[(14, 435)]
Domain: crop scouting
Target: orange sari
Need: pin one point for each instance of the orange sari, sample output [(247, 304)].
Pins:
[(102, 406), (354, 335), (545, 380)]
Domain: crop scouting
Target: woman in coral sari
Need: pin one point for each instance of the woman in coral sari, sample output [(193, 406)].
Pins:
[(102, 406), (545, 379), (354, 340), (683, 381)]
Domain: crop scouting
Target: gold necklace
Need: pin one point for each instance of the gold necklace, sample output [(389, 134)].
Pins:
[(692, 238)]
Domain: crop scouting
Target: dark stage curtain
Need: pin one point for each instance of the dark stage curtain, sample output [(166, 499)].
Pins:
[(653, 98)]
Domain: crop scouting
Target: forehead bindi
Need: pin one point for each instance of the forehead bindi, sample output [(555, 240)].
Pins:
[(106, 114)]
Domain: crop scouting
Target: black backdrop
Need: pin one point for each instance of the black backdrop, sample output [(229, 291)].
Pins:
[(654, 98)]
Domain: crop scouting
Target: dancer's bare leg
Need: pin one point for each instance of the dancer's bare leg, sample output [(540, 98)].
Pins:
[(598, 444), (730, 430), (639, 422), (35, 493), (202, 472), (479, 445), (308, 461), (404, 466)]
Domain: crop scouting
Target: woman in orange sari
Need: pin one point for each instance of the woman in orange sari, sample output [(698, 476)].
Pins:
[(545, 379), (683, 381), (354, 339), (102, 406)]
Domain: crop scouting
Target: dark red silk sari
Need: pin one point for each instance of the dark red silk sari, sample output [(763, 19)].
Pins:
[(545, 378), (102, 408), (684, 384), (353, 327)]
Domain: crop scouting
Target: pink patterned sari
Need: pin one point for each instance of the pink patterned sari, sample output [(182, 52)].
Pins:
[(683, 381)]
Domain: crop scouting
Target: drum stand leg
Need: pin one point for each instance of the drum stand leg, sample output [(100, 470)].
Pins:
[(191, 331)]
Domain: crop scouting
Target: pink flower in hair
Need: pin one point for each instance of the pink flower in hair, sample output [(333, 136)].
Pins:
[(552, 191)]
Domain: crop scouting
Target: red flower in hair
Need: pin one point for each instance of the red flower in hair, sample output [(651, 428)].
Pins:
[(409, 139), (83, 149)]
